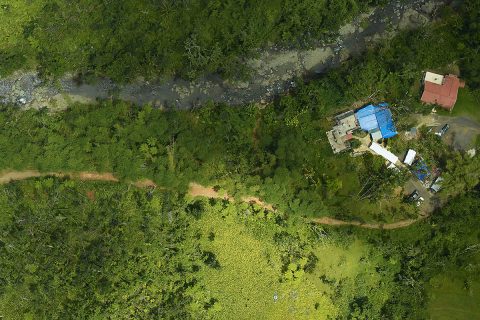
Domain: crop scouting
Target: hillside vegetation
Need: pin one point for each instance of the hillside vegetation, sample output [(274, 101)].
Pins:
[(125, 39), (76, 250), (72, 249)]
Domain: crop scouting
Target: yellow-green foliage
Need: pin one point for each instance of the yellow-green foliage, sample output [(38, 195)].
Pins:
[(250, 273), (14, 15), (452, 298)]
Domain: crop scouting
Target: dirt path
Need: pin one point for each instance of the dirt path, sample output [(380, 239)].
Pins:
[(195, 190), (9, 176), (386, 226)]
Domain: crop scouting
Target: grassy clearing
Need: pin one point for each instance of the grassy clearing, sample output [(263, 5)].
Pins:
[(250, 272), (450, 300), (467, 105)]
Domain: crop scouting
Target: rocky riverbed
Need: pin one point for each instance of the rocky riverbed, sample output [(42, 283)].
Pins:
[(272, 72)]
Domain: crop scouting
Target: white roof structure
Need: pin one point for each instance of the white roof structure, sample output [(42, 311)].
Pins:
[(434, 78), (381, 151), (410, 157), (437, 184)]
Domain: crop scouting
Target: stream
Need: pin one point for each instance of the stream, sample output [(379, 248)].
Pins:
[(273, 70)]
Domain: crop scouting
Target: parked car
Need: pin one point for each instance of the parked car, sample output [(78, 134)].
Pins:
[(436, 185), (420, 201), (414, 196), (442, 131)]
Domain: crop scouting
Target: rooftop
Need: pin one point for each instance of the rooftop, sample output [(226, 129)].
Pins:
[(377, 117), (381, 151), (442, 91)]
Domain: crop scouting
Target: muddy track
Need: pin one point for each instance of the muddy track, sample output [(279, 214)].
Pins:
[(9, 176), (195, 190), (385, 226)]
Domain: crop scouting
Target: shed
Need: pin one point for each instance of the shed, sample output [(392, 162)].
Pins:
[(376, 135), (381, 151), (410, 157)]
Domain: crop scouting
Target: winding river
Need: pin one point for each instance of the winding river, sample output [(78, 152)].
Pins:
[(272, 71)]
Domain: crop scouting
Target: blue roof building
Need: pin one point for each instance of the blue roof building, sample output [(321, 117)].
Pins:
[(373, 118)]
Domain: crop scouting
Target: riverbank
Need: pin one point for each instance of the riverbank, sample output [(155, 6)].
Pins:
[(273, 72)]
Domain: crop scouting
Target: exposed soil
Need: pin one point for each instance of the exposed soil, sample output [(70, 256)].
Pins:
[(145, 183), (387, 226), (95, 176), (195, 190)]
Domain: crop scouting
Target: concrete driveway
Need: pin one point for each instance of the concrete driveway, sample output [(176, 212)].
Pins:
[(462, 133), (429, 203)]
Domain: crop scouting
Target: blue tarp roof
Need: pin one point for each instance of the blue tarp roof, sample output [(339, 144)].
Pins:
[(385, 123), (366, 118), (420, 169), (379, 117)]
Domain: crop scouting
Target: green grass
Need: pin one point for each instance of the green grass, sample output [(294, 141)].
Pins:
[(449, 300), (250, 272), (467, 105)]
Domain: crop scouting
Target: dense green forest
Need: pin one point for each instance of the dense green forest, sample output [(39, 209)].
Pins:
[(125, 39), (72, 249), (279, 152), (75, 250)]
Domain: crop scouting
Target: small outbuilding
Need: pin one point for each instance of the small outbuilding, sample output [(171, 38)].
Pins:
[(410, 157), (381, 151)]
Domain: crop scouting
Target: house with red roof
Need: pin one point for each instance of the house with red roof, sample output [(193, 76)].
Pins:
[(441, 90)]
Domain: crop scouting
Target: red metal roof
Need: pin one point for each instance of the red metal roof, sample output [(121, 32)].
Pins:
[(444, 95)]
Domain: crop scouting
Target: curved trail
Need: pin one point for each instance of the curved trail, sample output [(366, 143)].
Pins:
[(386, 226), (195, 190)]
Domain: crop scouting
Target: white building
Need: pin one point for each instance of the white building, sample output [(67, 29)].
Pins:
[(410, 157), (381, 151)]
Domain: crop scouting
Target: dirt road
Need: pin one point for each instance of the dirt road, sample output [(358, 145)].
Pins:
[(9, 176), (195, 190), (386, 226)]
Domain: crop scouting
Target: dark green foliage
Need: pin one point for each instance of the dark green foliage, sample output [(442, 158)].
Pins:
[(125, 39), (76, 251)]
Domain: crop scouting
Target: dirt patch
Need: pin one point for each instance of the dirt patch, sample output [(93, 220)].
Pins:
[(259, 202), (197, 190), (11, 176), (91, 195), (387, 226), (95, 176), (145, 183)]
